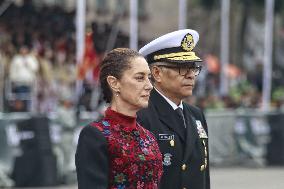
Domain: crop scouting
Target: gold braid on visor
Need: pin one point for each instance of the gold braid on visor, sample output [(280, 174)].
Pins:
[(189, 56)]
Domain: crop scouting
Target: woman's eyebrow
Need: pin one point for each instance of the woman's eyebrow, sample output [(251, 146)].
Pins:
[(140, 73)]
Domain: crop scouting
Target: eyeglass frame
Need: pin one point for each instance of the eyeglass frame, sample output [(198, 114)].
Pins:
[(188, 69)]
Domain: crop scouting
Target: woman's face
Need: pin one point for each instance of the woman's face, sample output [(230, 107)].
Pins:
[(135, 85)]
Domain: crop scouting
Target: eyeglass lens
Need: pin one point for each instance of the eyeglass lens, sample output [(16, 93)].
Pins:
[(184, 70)]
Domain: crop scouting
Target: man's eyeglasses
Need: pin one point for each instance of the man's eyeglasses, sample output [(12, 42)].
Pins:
[(183, 70)]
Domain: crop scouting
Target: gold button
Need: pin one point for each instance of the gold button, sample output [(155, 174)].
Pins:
[(172, 143), (202, 167), (183, 167)]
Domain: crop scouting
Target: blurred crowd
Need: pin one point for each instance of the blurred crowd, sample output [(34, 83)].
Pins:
[(37, 56), (245, 88), (38, 67)]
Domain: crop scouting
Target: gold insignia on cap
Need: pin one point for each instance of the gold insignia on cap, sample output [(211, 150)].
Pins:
[(187, 42)]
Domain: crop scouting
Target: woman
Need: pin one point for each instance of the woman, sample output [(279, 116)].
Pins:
[(117, 152)]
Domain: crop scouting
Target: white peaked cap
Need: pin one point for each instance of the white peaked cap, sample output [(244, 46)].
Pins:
[(176, 47)]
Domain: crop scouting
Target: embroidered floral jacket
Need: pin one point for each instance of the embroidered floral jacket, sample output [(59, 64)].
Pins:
[(117, 153)]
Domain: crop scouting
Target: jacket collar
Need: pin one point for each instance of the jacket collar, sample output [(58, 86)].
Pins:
[(173, 105), (119, 118), (166, 113), (170, 118)]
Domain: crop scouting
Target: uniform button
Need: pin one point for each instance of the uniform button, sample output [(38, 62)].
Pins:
[(172, 143), (202, 167), (183, 167), (184, 188)]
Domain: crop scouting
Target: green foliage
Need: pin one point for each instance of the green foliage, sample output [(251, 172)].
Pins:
[(278, 94), (238, 91)]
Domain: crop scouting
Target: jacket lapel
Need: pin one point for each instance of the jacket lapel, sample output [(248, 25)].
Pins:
[(167, 115), (174, 124), (191, 135)]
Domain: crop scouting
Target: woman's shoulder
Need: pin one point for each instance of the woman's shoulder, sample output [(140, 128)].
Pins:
[(102, 126), (91, 129), (95, 131), (90, 140)]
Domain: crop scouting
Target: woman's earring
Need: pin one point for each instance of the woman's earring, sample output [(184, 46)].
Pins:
[(117, 93)]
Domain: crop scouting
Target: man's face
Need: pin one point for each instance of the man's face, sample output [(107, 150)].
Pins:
[(175, 82)]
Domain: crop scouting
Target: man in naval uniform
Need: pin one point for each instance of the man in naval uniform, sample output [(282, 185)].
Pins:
[(180, 128)]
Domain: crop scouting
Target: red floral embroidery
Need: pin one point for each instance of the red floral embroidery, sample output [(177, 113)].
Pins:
[(135, 159)]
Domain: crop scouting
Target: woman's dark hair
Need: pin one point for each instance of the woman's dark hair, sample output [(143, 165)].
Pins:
[(114, 64)]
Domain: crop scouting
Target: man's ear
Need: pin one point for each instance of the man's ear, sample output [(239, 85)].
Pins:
[(156, 73), (113, 83)]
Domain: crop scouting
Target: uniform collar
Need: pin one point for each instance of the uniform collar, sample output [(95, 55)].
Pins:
[(121, 119), (173, 105)]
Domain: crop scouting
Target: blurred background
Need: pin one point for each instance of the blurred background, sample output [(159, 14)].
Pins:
[(49, 56)]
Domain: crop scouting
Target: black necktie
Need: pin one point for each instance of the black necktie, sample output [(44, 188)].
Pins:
[(180, 113)]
